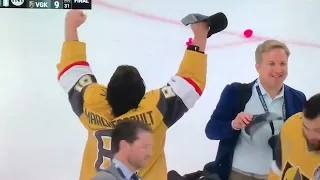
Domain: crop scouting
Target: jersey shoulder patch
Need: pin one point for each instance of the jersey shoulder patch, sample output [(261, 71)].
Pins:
[(168, 92), (84, 81)]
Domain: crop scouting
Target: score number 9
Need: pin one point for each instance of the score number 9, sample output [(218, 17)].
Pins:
[(56, 4)]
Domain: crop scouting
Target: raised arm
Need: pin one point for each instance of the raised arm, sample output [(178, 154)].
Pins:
[(193, 67), (190, 80), (186, 86), (74, 70)]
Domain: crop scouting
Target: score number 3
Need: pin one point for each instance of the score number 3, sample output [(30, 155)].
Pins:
[(104, 154)]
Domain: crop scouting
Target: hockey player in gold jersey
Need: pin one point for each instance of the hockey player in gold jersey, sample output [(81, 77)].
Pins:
[(100, 107), (297, 154)]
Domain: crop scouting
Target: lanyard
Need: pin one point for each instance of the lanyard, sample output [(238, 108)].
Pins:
[(121, 173), (263, 102)]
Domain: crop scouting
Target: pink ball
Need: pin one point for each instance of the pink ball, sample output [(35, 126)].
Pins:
[(189, 42), (248, 33)]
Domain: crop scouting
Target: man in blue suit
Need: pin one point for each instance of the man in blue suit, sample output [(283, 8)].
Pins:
[(239, 157)]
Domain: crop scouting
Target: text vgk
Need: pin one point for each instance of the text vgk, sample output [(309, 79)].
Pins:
[(42, 4)]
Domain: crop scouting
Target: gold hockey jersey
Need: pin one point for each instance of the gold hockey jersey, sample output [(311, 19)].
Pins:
[(295, 161), (160, 108)]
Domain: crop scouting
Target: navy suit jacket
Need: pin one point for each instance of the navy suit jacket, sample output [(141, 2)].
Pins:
[(232, 101)]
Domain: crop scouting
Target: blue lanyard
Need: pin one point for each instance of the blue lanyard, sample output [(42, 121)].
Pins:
[(121, 173)]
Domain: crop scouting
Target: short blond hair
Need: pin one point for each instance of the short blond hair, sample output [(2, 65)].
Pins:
[(267, 46)]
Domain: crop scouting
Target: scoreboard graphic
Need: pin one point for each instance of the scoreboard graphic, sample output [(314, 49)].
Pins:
[(47, 4)]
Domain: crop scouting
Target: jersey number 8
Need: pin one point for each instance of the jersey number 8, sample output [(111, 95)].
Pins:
[(104, 154)]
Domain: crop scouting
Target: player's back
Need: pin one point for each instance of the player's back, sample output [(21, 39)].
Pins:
[(97, 118), (159, 108)]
